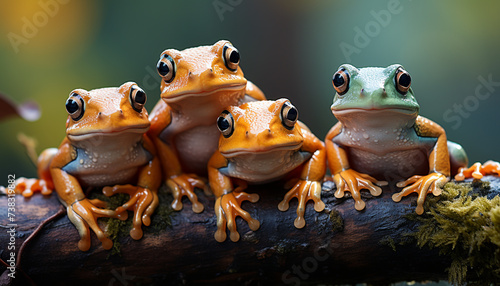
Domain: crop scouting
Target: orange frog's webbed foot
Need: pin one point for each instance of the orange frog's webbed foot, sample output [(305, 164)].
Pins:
[(477, 171), (227, 207), (84, 214), (303, 191), (183, 185), (142, 201), (352, 181), (422, 185), (27, 187)]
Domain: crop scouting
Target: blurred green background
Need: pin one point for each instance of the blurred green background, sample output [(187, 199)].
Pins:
[(288, 48)]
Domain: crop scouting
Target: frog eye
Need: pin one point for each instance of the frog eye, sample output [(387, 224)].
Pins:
[(289, 115), (403, 81), (166, 68), (341, 81), (231, 57), (75, 106), (225, 123), (137, 98)]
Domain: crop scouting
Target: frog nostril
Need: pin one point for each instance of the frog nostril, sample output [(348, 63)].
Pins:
[(246, 133), (190, 74), (99, 114), (384, 93)]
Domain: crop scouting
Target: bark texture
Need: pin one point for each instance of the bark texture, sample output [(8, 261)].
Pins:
[(338, 245)]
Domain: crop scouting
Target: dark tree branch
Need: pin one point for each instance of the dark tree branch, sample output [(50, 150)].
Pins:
[(343, 246)]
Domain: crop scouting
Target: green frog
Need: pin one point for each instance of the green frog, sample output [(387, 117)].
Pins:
[(381, 137)]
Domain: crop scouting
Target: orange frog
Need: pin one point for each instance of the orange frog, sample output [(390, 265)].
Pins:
[(380, 136), (105, 145), (262, 142), (198, 83)]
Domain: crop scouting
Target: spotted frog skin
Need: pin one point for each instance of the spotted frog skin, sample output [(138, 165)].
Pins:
[(261, 142), (105, 145), (380, 136), (198, 83)]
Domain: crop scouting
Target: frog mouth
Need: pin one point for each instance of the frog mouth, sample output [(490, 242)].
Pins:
[(199, 92), (261, 150), (108, 132), (396, 109)]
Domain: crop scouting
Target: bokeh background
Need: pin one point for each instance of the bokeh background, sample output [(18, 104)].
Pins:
[(288, 48)]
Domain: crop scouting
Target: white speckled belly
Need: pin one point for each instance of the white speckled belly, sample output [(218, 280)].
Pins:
[(387, 154), (391, 166), (264, 167), (108, 164), (195, 147)]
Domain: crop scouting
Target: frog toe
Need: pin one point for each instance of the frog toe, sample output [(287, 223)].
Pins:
[(98, 203), (183, 185), (422, 185), (143, 202), (82, 227), (304, 191), (227, 208), (283, 206), (478, 170), (359, 205), (299, 222), (136, 233), (27, 187), (353, 182)]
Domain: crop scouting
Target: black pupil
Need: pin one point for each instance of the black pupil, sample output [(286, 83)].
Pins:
[(405, 80), (71, 106), (223, 123), (140, 97), (338, 80), (163, 68), (292, 114), (234, 57)]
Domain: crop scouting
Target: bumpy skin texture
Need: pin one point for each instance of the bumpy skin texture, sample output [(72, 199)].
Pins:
[(106, 146), (381, 136), (183, 122), (260, 149)]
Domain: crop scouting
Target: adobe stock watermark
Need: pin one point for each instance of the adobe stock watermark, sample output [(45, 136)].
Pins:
[(223, 6), (460, 111), (152, 79), (11, 226), (363, 37), (120, 278), (31, 26), (308, 266)]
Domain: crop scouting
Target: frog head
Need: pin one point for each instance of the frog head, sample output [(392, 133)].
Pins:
[(373, 91), (202, 78), (261, 138), (114, 112), (259, 127)]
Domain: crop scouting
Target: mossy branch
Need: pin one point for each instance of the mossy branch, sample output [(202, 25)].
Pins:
[(385, 243)]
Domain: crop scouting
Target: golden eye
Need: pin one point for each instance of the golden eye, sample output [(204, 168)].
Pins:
[(231, 57), (403, 81), (225, 123), (137, 98), (166, 68), (341, 81), (289, 115), (75, 106)]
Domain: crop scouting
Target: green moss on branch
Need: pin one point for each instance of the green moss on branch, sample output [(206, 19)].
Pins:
[(464, 224)]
